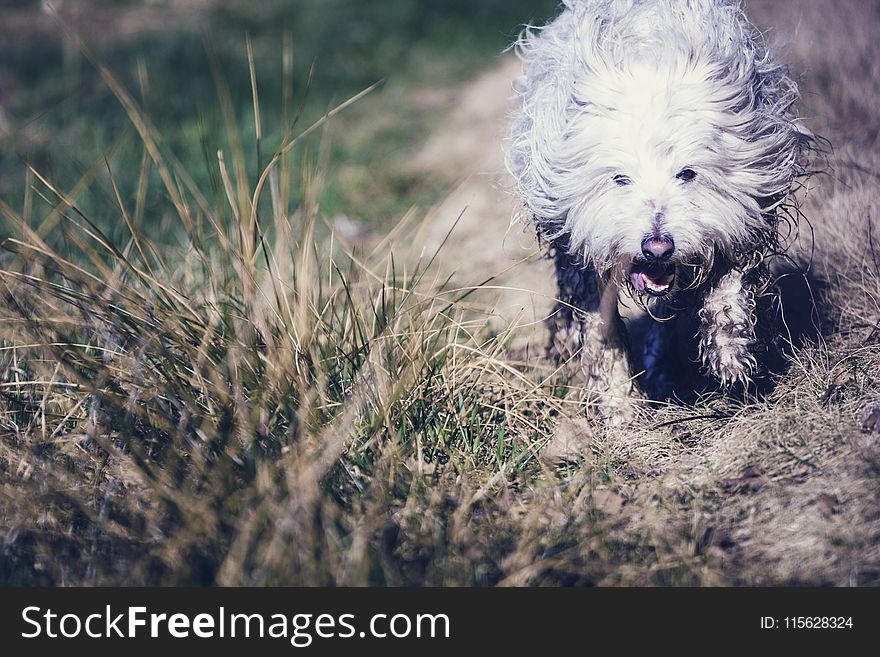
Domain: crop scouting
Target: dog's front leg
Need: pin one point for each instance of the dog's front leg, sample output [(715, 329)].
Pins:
[(605, 360), (727, 327), (586, 329)]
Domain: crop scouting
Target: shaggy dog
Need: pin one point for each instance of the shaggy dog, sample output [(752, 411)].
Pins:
[(656, 146)]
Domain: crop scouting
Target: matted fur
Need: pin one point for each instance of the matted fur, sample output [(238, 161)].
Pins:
[(617, 98)]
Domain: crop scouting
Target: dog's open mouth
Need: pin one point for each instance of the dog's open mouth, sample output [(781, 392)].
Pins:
[(654, 278)]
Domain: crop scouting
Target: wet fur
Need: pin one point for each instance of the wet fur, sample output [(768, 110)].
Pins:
[(642, 89)]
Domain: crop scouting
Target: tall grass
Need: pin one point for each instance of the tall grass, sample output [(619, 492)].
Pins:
[(257, 405)]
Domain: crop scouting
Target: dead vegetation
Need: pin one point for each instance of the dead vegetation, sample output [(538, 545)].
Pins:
[(265, 406)]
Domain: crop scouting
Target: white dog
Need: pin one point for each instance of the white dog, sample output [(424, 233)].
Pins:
[(656, 147)]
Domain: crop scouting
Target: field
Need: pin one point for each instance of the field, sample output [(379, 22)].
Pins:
[(291, 337)]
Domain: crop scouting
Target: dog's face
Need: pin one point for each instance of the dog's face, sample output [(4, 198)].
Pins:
[(659, 185), (652, 138)]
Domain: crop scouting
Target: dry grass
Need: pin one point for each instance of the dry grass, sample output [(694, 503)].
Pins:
[(264, 406)]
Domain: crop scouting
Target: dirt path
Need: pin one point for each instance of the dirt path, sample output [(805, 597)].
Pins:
[(103, 22), (487, 241)]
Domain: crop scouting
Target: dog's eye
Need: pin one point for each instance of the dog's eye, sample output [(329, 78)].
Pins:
[(686, 175), (622, 180)]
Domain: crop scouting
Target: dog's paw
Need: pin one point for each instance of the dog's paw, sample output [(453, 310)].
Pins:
[(727, 331), (731, 363), (617, 411), (612, 389)]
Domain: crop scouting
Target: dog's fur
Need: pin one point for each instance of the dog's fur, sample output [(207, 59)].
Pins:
[(664, 123)]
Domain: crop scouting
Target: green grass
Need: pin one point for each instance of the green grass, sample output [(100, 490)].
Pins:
[(336, 48)]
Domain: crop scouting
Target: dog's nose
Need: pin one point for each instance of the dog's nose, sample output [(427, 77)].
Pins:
[(658, 248)]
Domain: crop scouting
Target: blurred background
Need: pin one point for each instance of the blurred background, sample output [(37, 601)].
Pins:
[(180, 58)]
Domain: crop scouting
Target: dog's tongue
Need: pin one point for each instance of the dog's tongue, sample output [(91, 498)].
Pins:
[(652, 277)]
